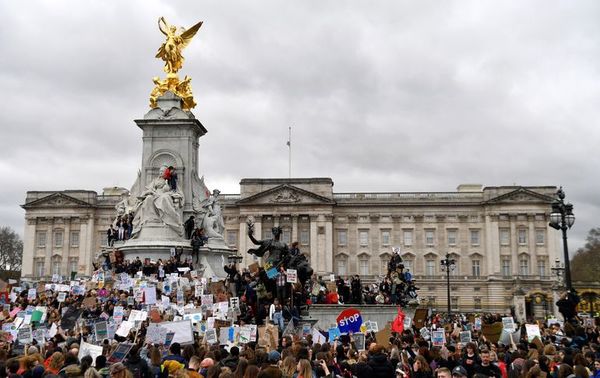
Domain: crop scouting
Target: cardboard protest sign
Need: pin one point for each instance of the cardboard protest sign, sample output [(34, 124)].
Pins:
[(505, 338), (508, 323), (383, 336), (372, 326), (492, 331), (31, 294), (292, 275), (245, 334), (359, 341), (253, 268), (39, 335), (89, 302), (101, 331), (533, 330), (211, 336), (124, 328), (183, 330), (150, 295), (24, 335), (70, 317), (420, 317), (334, 333), (465, 337), (155, 334), (438, 338), (318, 337), (118, 313), (61, 297), (119, 354), (86, 349)]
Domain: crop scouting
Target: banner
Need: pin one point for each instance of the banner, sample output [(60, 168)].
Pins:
[(86, 349)]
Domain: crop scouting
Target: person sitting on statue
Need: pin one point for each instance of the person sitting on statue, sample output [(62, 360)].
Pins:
[(273, 250), (172, 180)]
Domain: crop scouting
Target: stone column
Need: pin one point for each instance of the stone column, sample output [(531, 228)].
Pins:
[(531, 244), (492, 245), (514, 252), (29, 248), (329, 242), (314, 244), (66, 247), (49, 245), (88, 249), (294, 235)]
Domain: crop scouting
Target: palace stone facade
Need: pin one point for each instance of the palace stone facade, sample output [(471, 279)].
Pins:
[(499, 236)]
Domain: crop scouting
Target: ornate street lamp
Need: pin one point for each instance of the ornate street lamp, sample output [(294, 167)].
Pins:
[(562, 218), (448, 265)]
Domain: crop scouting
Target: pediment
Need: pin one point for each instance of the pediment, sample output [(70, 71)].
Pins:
[(56, 200), (521, 195), (286, 195)]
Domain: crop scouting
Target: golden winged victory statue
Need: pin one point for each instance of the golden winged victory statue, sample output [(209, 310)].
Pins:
[(170, 53)]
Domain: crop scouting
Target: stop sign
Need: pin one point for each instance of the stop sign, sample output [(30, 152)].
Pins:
[(349, 320)]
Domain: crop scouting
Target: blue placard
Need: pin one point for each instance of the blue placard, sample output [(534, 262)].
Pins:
[(334, 333), (272, 273)]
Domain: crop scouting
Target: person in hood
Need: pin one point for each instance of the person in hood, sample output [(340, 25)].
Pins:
[(379, 363)]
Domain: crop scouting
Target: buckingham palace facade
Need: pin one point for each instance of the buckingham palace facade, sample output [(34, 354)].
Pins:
[(499, 236)]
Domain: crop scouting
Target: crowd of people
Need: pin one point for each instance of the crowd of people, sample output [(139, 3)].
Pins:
[(563, 351)]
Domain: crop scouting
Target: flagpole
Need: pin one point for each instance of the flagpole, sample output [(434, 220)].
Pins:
[(290, 151)]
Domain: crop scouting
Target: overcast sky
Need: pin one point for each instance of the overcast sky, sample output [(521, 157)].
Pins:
[(382, 96)]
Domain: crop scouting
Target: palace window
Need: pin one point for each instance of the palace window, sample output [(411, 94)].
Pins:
[(407, 264), (477, 303), (341, 267), (476, 268), (364, 266), (504, 236), (41, 239), (524, 265), (363, 237), (74, 238), (408, 237), (429, 237), (505, 267), (522, 236), (342, 237), (304, 237), (385, 237), (58, 239), (73, 261), (430, 267), (542, 268), (39, 268), (286, 236), (56, 261), (451, 237), (232, 237), (474, 237), (540, 236)]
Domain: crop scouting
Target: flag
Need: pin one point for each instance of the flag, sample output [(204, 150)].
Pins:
[(398, 323)]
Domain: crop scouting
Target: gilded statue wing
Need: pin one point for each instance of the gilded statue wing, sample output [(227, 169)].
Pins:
[(187, 35), (163, 26)]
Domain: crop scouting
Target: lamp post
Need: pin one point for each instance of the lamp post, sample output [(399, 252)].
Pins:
[(448, 265), (562, 218)]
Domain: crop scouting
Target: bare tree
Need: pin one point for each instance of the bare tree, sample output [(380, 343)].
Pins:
[(11, 249)]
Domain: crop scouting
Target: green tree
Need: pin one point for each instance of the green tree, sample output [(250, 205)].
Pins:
[(11, 250), (585, 265)]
